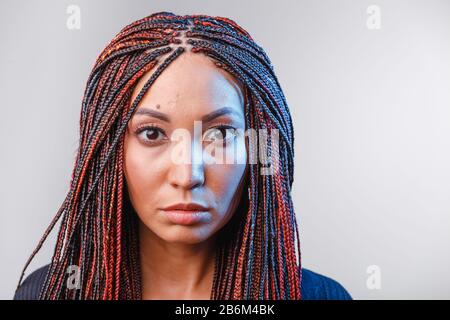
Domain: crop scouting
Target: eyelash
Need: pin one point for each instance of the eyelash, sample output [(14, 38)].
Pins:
[(142, 128)]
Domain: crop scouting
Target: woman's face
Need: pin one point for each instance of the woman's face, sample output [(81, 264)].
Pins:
[(170, 161)]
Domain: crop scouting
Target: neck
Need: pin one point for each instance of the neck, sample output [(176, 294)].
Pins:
[(175, 270)]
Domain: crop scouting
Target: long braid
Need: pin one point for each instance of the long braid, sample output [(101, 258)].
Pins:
[(99, 227)]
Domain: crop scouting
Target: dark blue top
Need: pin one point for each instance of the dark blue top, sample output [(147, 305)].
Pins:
[(314, 286)]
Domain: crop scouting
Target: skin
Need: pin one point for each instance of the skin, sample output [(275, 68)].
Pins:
[(177, 261)]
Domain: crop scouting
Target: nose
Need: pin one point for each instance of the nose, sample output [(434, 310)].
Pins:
[(187, 172), (187, 176)]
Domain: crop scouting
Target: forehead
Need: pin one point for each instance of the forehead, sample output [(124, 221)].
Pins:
[(191, 86)]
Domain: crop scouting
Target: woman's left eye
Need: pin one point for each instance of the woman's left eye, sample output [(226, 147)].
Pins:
[(222, 133)]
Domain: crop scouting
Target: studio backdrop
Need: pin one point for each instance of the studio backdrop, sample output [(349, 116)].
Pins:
[(368, 87)]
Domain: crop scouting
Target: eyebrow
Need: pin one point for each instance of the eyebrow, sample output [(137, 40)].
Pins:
[(206, 118), (152, 113), (220, 112)]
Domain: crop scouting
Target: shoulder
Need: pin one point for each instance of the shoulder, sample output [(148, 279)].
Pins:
[(31, 286), (315, 286)]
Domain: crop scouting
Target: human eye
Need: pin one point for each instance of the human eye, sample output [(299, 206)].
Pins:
[(151, 134), (220, 133)]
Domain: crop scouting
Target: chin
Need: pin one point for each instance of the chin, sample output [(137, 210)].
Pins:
[(185, 234)]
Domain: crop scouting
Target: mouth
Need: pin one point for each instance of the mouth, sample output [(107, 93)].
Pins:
[(187, 207), (187, 213)]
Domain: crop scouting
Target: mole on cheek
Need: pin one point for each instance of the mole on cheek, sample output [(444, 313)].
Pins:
[(157, 106)]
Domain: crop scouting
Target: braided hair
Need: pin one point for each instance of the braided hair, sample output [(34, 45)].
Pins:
[(98, 233)]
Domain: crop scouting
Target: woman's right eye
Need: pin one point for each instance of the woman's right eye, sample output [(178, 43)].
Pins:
[(151, 134)]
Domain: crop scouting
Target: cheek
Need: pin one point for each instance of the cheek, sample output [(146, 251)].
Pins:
[(226, 185), (142, 173), (226, 180), (229, 176)]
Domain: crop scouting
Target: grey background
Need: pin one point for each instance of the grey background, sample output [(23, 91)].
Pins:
[(371, 112)]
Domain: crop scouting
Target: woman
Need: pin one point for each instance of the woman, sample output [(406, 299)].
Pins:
[(154, 211)]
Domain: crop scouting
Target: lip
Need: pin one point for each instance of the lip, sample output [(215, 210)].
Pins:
[(187, 213), (186, 207)]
